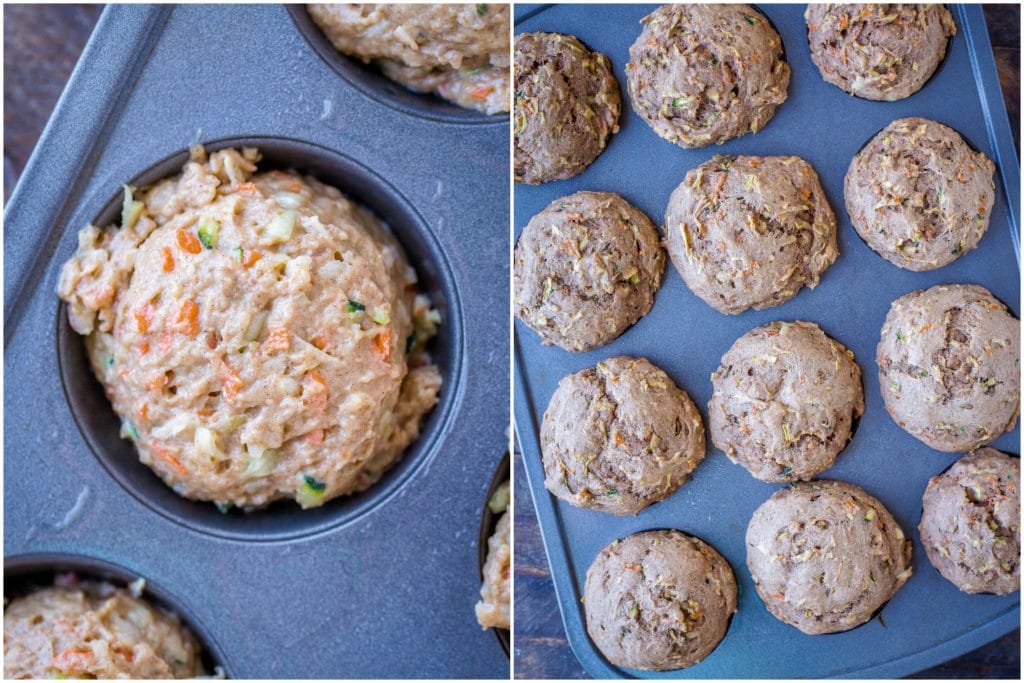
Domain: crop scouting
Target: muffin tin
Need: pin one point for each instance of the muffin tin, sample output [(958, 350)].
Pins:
[(928, 620), (378, 584)]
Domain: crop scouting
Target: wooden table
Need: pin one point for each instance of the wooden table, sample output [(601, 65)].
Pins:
[(541, 649)]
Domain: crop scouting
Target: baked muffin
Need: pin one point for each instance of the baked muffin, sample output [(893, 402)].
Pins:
[(567, 105), (786, 396), (658, 600), (970, 523), (700, 74), (825, 555), (749, 232), (619, 437), (878, 51), (918, 195), (260, 335), (88, 629), (586, 268), (459, 52), (948, 366)]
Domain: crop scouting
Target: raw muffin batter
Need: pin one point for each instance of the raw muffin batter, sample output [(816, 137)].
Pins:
[(493, 609), (750, 231), (785, 399), (259, 334), (658, 600), (619, 437), (949, 364), (878, 52), (918, 195), (970, 526), (567, 106), (459, 52), (586, 268), (706, 73), (825, 555), (85, 629)]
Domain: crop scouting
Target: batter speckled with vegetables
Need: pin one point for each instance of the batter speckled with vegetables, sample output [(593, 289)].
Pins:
[(658, 600), (493, 609), (825, 555), (459, 52), (586, 268), (878, 51), (785, 399), (970, 524), (259, 334), (949, 366), (619, 437), (700, 74), (750, 231), (918, 195), (88, 629), (567, 105)]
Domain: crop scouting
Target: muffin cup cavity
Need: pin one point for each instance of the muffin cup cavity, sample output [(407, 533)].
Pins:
[(25, 573), (369, 81), (282, 520), (488, 522)]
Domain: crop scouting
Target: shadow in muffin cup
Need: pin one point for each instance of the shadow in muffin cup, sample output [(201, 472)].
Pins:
[(282, 520), (488, 522), (25, 573), (368, 80)]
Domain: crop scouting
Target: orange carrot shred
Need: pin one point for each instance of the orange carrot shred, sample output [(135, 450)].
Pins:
[(315, 437), (382, 342), (231, 381), (188, 319), (189, 242), (167, 455), (278, 339), (143, 318), (252, 258), (481, 93), (168, 260)]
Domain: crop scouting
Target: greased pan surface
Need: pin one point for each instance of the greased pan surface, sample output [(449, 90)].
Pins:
[(928, 620), (382, 584)]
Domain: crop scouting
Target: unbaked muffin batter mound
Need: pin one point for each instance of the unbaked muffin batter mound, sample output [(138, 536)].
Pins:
[(260, 335)]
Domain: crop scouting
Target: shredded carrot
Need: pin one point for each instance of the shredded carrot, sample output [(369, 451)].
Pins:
[(73, 660), (278, 339), (167, 455), (315, 437), (168, 260), (754, 162), (844, 23), (805, 192), (144, 347), (144, 317), (319, 342), (924, 328), (188, 318), (143, 412), (382, 342), (204, 411), (247, 187), (157, 382), (618, 439), (252, 258), (231, 381), (211, 340), (633, 567), (316, 396), (315, 375), (481, 93), (189, 242)]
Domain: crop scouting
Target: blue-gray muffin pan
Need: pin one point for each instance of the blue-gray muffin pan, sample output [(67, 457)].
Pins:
[(381, 584), (928, 620)]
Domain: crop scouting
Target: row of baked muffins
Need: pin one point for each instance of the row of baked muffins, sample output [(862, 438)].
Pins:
[(749, 232), (702, 74)]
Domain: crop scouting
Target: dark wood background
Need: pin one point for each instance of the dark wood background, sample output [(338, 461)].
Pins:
[(42, 44), (541, 650)]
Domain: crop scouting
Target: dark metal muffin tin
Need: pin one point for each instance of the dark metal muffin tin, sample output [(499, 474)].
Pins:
[(378, 584), (928, 620)]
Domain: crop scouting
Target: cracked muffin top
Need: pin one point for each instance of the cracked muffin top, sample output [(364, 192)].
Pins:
[(658, 600), (918, 195), (825, 555), (785, 399), (749, 232), (619, 437), (878, 51), (586, 268), (970, 523), (949, 366), (700, 74)]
